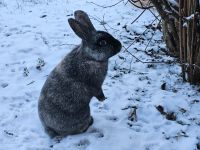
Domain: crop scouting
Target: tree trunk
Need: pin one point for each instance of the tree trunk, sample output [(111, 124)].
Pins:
[(181, 32)]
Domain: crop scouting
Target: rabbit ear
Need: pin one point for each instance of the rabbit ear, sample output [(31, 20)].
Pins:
[(83, 18), (81, 30)]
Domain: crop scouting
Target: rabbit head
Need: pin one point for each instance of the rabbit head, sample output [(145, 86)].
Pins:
[(97, 45)]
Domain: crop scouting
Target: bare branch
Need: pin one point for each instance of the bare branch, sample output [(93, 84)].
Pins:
[(105, 6), (141, 4), (147, 62), (138, 16), (103, 23)]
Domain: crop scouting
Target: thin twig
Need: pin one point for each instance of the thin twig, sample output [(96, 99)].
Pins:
[(138, 16), (151, 38), (194, 65), (159, 62), (68, 44), (129, 107), (103, 22), (31, 83), (111, 27), (149, 41), (141, 34), (105, 6), (133, 2), (153, 14), (147, 62)]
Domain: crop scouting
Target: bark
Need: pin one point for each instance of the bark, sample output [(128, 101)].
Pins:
[(181, 32)]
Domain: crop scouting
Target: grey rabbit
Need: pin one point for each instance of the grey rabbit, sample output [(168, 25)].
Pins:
[(64, 99)]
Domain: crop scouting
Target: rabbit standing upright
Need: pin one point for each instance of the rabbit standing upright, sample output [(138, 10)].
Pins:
[(64, 100)]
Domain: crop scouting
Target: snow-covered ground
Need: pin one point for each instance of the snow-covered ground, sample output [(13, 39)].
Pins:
[(35, 36)]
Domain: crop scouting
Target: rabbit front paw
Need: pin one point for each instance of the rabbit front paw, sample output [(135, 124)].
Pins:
[(98, 93), (101, 96)]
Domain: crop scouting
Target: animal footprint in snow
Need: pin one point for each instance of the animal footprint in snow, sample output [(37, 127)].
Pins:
[(104, 106), (100, 135), (112, 118), (101, 106), (83, 144), (97, 132), (4, 85)]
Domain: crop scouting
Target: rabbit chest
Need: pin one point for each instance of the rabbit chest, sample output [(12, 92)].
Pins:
[(94, 72)]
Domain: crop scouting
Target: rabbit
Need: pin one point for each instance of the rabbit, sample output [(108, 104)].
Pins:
[(63, 105)]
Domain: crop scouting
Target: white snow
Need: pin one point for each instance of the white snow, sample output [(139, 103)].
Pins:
[(173, 2), (190, 17), (27, 36)]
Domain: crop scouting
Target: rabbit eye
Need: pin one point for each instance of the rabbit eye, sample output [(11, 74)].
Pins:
[(102, 43)]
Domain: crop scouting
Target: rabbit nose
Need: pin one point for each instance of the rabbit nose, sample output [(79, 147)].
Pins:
[(118, 45)]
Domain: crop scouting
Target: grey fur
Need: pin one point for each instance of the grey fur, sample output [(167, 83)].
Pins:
[(64, 100)]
